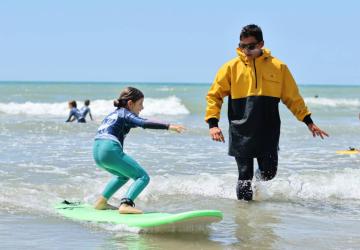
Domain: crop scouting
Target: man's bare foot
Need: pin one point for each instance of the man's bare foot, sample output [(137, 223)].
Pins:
[(101, 204), (127, 209)]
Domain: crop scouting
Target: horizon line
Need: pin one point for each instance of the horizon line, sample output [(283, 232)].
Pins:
[(152, 82)]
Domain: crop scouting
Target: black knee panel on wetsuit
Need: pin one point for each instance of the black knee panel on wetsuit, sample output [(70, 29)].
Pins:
[(268, 166), (268, 174)]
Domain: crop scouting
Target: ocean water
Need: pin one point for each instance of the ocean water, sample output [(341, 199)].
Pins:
[(313, 202)]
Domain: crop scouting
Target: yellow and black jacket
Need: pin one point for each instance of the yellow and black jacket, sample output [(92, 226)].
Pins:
[(254, 89)]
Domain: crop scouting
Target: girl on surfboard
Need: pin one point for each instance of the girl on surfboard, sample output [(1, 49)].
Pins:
[(108, 149)]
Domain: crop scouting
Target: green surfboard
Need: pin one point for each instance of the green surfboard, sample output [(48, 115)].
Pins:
[(153, 221)]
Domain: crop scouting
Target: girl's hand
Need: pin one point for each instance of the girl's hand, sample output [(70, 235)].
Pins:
[(176, 128)]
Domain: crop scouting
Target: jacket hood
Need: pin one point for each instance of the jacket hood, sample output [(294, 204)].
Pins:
[(243, 57)]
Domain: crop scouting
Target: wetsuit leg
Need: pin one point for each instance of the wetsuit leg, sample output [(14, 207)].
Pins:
[(138, 174), (246, 173), (101, 153), (268, 166), (109, 155), (115, 184)]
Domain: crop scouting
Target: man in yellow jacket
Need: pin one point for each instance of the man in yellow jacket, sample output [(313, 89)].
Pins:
[(254, 83)]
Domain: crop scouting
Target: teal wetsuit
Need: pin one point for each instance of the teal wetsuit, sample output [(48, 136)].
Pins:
[(109, 155), (108, 152)]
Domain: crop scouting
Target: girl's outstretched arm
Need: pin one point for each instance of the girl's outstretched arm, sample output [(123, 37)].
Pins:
[(136, 121)]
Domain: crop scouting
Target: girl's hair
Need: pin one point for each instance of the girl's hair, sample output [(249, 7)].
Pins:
[(129, 93), (72, 103), (87, 102)]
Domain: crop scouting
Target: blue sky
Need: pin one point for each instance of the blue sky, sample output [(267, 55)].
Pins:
[(173, 41)]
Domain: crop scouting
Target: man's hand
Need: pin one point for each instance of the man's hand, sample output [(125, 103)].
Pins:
[(216, 134), (316, 131)]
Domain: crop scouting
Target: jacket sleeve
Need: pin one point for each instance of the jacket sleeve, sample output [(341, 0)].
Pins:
[(218, 90), (291, 97)]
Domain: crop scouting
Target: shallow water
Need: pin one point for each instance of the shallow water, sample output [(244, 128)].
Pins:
[(313, 203)]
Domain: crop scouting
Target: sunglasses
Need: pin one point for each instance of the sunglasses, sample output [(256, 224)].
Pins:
[(250, 46)]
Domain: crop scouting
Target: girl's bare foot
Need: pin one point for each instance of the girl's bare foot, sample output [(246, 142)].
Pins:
[(127, 209), (101, 204)]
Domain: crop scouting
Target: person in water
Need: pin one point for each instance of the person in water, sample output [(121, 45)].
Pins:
[(75, 113), (254, 82), (108, 150), (86, 110)]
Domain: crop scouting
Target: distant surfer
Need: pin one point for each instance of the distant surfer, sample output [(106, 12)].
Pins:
[(254, 82), (353, 149), (108, 149), (74, 113), (85, 110)]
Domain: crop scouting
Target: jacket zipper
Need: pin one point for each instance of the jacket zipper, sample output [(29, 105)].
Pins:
[(255, 75)]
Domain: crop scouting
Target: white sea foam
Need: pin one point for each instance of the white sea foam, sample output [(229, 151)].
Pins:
[(165, 89), (206, 185), (171, 105), (336, 186), (330, 102)]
